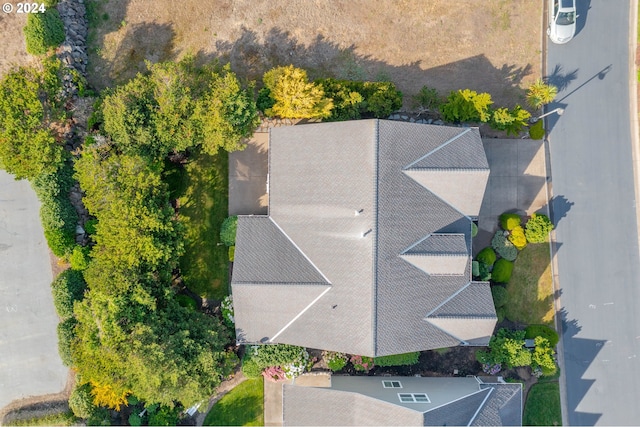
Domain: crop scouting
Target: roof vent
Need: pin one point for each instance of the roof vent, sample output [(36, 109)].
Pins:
[(359, 212), (367, 232)]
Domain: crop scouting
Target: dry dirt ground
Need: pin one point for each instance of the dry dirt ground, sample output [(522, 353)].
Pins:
[(488, 45)]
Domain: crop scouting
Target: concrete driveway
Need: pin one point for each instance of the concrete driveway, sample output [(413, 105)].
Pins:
[(29, 361), (248, 171), (517, 183)]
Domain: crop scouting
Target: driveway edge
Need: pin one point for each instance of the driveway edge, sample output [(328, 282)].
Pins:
[(633, 105)]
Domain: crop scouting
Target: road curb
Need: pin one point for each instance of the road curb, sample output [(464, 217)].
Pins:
[(633, 106)]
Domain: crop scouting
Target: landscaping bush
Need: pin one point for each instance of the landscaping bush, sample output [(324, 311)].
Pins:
[(292, 359), (43, 31), (232, 253), (503, 246), (81, 401), (135, 419), (500, 296), (517, 238), (90, 226), (59, 241), (335, 361), (250, 368), (187, 302), (264, 101), (398, 359), (540, 93), (382, 98), (66, 334), (428, 98), (550, 334), (487, 256), (228, 230), (164, 416), (466, 106), (227, 312), (484, 272), (510, 120), (354, 99), (542, 357), (509, 221), (506, 348), (67, 288), (501, 313), (538, 228), (474, 229), (361, 363), (79, 258), (536, 130), (502, 271), (475, 269)]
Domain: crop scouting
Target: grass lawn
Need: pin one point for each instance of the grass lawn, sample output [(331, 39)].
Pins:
[(57, 419), (543, 405), (202, 191), (530, 289), (242, 406)]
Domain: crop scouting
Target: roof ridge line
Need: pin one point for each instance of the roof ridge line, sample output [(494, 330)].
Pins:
[(260, 283), (459, 169), (480, 390), (437, 195), (452, 316), (481, 406), (284, 233), (300, 314), (444, 144), (452, 296), (374, 246)]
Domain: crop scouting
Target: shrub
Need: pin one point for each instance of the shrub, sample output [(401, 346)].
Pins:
[(67, 288), (232, 253), (502, 271), (509, 221), (503, 247), (348, 98), (550, 334), (542, 357), (536, 130), (474, 229), (81, 401), (361, 363), (538, 228), (164, 416), (484, 272), (466, 106), (60, 241), (264, 101), (66, 334), (227, 312), (428, 98), (187, 302), (487, 256), (274, 374), (475, 269), (501, 313), (382, 98), (135, 419), (541, 93), (294, 96), (90, 226), (79, 258), (507, 349), (517, 238), (398, 359), (335, 361), (43, 31), (292, 359), (512, 121), (228, 230), (500, 296), (250, 368)]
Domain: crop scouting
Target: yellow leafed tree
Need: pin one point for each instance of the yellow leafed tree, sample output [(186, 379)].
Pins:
[(105, 395), (294, 96)]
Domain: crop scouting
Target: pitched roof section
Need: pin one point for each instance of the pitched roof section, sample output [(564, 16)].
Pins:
[(503, 408), (460, 412), (457, 171), (439, 254), (468, 315), (269, 256)]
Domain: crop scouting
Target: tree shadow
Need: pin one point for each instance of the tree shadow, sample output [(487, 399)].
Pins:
[(559, 206), (559, 78), (578, 355)]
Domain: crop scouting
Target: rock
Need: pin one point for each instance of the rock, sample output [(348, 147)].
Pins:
[(438, 122), (79, 229), (412, 120), (429, 121), (404, 117)]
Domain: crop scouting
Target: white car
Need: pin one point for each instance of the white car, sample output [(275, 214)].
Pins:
[(562, 20)]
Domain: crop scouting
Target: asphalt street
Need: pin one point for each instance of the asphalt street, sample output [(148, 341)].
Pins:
[(594, 206), (29, 361)]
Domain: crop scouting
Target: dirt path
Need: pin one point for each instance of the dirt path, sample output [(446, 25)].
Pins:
[(223, 389)]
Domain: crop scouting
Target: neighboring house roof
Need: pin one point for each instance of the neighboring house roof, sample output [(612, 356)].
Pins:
[(368, 236), (459, 401)]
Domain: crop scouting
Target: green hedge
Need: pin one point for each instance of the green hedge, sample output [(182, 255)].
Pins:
[(502, 271), (509, 221), (397, 359), (67, 288), (43, 31), (228, 230), (536, 130), (550, 334), (356, 99), (81, 401), (500, 296), (250, 368), (487, 256), (66, 334)]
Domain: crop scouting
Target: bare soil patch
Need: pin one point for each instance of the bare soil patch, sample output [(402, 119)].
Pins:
[(13, 49), (491, 45)]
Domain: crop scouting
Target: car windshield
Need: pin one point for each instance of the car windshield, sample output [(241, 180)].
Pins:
[(565, 18)]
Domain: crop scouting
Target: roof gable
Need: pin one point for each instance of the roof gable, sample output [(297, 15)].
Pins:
[(439, 254)]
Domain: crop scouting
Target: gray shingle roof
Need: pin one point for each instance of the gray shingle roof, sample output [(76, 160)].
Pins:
[(320, 176), (364, 401)]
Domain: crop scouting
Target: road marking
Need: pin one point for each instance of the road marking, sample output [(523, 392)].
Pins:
[(605, 360), (631, 357), (608, 303), (592, 306)]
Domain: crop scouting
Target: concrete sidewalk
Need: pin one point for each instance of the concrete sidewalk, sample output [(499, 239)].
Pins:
[(517, 183)]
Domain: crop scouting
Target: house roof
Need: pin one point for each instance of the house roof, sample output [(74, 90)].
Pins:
[(349, 219), (364, 401)]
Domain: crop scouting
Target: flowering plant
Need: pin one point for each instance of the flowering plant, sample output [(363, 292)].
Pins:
[(274, 374), (298, 366), (361, 363), (227, 311), (492, 369), (335, 361)]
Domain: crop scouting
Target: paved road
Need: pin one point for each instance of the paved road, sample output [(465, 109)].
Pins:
[(29, 361), (595, 207)]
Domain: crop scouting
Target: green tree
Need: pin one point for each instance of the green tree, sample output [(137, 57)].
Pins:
[(294, 95), (540, 93), (66, 335), (81, 401), (538, 228), (382, 98), (29, 104), (467, 106), (228, 230), (506, 348), (510, 120), (542, 356), (67, 288)]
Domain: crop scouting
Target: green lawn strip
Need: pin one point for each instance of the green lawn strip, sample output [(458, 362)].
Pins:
[(543, 405), (242, 406), (530, 289), (203, 201), (60, 419)]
